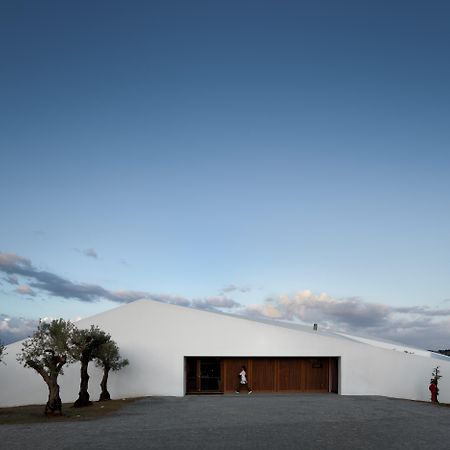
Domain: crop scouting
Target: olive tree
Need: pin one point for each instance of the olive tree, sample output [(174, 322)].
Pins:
[(47, 352), (108, 358), (86, 344), (2, 351)]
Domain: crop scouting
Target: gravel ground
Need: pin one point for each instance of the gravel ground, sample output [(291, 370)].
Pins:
[(310, 421)]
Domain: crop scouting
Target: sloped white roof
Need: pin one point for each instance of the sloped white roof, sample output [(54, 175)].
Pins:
[(367, 340)]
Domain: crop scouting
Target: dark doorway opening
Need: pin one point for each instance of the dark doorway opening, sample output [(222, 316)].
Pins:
[(204, 375)]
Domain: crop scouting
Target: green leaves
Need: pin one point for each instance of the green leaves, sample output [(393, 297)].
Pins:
[(49, 349), (85, 344), (55, 344), (109, 356), (58, 343), (2, 351), (436, 374)]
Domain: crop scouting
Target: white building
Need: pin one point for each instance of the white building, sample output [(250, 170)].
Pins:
[(175, 350)]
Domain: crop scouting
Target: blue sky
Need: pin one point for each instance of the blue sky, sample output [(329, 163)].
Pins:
[(276, 147)]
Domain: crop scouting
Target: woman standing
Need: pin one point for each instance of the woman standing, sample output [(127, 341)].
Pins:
[(243, 381)]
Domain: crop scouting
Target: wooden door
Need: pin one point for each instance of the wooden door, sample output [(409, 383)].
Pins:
[(262, 376), (290, 374), (316, 374), (231, 370)]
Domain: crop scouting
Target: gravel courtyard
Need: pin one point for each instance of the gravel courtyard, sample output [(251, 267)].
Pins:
[(310, 421)]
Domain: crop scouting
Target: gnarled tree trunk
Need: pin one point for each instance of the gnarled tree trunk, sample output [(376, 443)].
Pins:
[(54, 405), (83, 395), (104, 385)]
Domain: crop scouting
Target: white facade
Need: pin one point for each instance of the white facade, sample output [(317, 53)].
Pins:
[(156, 338)]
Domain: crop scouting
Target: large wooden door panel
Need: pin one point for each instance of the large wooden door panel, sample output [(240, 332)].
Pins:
[(290, 374), (262, 377), (316, 374), (231, 368)]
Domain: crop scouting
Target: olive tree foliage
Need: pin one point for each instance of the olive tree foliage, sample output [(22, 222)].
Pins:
[(47, 352), (2, 351), (85, 347), (108, 358), (436, 375)]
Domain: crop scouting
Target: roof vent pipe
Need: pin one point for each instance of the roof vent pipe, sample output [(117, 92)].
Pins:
[(315, 327)]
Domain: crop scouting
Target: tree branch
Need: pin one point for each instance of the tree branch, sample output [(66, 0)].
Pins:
[(39, 369)]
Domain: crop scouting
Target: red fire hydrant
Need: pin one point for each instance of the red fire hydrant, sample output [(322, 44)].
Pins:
[(434, 392)]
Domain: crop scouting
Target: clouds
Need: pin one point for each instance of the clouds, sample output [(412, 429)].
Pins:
[(417, 325), (126, 296), (12, 279), (11, 263), (213, 303), (90, 253), (49, 283), (15, 328), (309, 307), (233, 288), (25, 290), (16, 267)]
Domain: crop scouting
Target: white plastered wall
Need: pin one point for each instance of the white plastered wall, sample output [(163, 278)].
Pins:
[(156, 337)]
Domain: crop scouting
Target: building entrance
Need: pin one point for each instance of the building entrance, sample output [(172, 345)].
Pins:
[(218, 375), (203, 376)]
